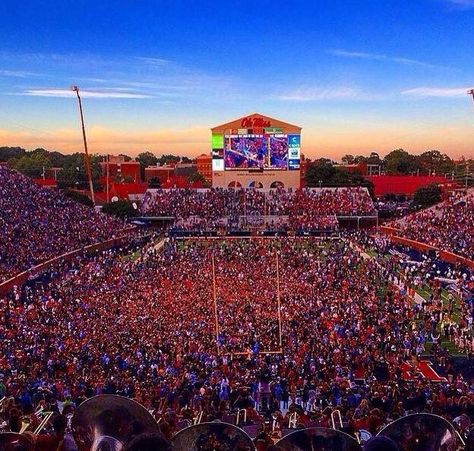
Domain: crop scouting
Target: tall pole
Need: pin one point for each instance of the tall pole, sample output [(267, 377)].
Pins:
[(471, 93), (86, 153), (467, 172), (107, 183), (214, 291), (278, 298)]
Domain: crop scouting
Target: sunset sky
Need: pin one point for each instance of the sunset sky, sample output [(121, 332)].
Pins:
[(358, 76)]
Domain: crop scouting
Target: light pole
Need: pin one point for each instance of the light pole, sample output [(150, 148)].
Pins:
[(471, 93), (86, 153)]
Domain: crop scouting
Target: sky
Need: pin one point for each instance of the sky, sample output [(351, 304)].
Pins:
[(357, 76)]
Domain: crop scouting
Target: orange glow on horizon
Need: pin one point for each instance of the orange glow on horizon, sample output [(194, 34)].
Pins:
[(330, 143)]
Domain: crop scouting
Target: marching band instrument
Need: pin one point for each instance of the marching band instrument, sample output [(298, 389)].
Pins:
[(197, 419), (292, 420), (317, 439), (243, 413), (26, 421), (421, 431), (110, 420), (209, 436), (339, 418), (12, 441)]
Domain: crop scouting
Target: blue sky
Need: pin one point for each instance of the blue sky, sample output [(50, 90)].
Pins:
[(357, 76)]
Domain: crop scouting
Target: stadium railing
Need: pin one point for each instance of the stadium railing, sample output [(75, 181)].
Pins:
[(21, 278), (446, 256)]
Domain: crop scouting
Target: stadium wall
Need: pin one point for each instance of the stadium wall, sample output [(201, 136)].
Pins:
[(446, 256), (244, 179), (405, 184)]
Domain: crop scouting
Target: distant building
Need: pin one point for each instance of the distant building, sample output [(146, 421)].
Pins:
[(304, 163), (361, 168), (184, 169), (162, 173), (117, 166), (204, 166)]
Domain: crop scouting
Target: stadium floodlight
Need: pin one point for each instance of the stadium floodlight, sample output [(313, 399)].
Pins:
[(86, 153)]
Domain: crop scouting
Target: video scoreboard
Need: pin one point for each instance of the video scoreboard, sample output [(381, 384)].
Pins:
[(256, 149)]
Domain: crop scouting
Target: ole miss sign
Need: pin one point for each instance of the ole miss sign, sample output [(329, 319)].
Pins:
[(255, 122)]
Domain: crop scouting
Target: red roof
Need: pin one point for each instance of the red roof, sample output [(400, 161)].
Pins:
[(404, 184), (122, 190), (46, 182)]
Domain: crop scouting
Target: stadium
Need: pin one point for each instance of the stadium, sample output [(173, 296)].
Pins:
[(251, 319)]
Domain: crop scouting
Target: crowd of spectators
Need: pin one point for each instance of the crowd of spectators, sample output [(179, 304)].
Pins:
[(439, 282), (37, 224), (277, 327), (448, 226), (299, 209), (187, 329)]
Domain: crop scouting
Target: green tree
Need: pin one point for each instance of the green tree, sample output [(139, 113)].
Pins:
[(6, 153), (146, 159), (320, 173), (166, 159), (32, 164), (427, 196), (435, 161), (374, 158), (121, 209), (125, 157), (348, 159), (74, 173), (399, 161), (323, 173), (360, 159)]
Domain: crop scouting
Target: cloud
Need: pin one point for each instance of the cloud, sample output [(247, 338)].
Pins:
[(379, 57), (153, 61), (145, 76), (106, 94), (18, 73), (461, 4), (311, 94), (436, 92)]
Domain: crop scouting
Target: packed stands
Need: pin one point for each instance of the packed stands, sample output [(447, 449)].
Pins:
[(145, 327), (39, 223), (272, 334), (305, 209), (448, 226)]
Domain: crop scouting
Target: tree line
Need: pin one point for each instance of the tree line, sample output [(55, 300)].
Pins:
[(72, 173), (320, 172), (401, 162)]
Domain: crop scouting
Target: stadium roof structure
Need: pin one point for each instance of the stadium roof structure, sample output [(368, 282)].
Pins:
[(256, 120)]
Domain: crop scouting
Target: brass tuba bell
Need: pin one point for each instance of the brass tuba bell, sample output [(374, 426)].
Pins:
[(109, 422)]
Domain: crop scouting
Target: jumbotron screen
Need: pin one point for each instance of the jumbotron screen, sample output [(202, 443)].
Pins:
[(242, 152), (276, 152), (279, 151)]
